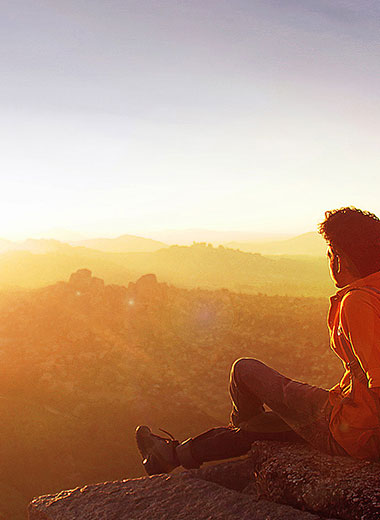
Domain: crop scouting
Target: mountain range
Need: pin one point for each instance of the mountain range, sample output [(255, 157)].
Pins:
[(306, 244), (122, 244), (199, 265)]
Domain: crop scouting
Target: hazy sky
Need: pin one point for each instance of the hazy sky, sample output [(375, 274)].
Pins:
[(125, 116)]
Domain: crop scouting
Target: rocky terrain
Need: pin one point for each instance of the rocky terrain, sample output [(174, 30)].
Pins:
[(277, 481), (83, 362)]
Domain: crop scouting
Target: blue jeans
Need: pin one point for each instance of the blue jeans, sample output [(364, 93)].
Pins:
[(298, 413)]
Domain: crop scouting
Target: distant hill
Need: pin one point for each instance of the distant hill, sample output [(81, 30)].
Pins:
[(63, 235), (306, 244), (34, 245), (202, 265), (122, 244), (5, 245), (199, 265), (311, 244), (215, 237), (42, 245), (23, 269)]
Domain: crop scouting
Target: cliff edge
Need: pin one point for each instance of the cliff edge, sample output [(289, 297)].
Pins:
[(277, 481)]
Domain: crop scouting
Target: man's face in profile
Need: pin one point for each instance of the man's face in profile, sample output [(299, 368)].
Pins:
[(334, 266), (340, 273)]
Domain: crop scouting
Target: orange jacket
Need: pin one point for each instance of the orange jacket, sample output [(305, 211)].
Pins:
[(355, 313)]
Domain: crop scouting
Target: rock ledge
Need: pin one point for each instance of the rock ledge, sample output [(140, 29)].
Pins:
[(278, 481)]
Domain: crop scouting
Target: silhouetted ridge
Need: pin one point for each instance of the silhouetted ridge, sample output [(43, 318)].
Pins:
[(306, 244), (200, 265), (122, 244)]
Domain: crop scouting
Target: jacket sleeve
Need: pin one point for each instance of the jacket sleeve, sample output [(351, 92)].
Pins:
[(360, 322)]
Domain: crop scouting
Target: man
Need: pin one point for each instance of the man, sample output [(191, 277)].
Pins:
[(341, 421)]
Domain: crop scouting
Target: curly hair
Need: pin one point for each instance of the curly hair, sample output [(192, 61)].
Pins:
[(357, 234)]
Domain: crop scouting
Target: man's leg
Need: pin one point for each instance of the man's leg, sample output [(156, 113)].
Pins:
[(300, 412), (295, 405), (228, 442)]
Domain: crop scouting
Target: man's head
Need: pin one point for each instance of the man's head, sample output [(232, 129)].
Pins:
[(353, 237)]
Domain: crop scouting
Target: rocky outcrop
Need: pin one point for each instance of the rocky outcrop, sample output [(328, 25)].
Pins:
[(305, 478), (147, 290), (83, 284), (277, 481), (157, 498), (82, 279)]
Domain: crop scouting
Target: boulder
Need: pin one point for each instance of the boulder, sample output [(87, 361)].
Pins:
[(82, 278), (147, 290), (276, 481), (308, 479), (161, 497)]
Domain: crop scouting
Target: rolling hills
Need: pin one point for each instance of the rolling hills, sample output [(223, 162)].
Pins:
[(306, 244), (199, 265)]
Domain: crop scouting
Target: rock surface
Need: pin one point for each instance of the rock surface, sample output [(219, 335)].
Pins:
[(307, 479), (277, 481), (180, 496)]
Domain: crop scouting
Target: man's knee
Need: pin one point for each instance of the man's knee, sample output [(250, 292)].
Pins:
[(245, 365)]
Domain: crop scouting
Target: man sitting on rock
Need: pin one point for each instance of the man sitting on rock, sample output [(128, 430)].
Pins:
[(341, 421)]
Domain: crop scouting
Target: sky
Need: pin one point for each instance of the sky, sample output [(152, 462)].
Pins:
[(134, 116)]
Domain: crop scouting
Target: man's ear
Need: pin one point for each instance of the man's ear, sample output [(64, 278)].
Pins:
[(337, 264)]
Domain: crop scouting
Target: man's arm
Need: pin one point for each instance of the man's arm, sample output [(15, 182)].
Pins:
[(360, 321)]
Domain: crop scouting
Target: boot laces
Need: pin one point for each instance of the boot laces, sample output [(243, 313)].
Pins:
[(167, 433)]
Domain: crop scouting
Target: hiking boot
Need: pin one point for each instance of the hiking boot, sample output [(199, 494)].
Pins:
[(158, 453)]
